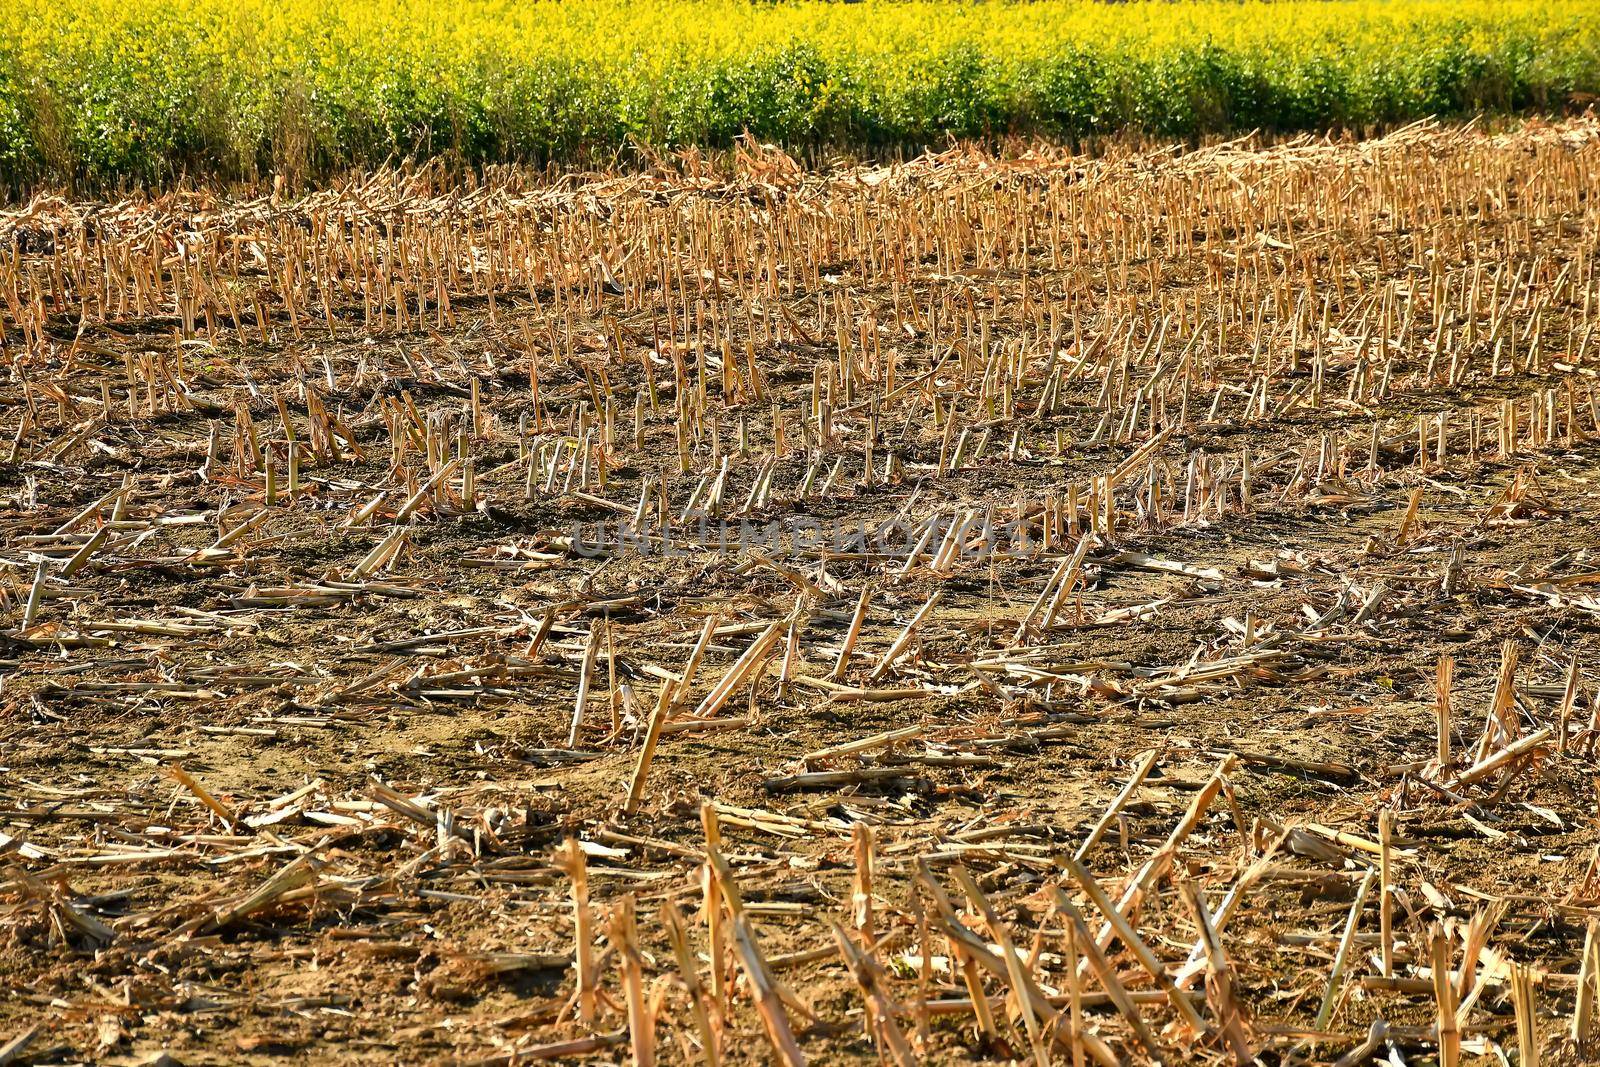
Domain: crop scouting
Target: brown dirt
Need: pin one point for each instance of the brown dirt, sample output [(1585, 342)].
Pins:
[(1440, 277)]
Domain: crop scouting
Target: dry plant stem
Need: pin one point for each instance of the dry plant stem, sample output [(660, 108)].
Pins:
[(861, 745), (1074, 996), (1015, 974), (1068, 582), (728, 892), (1219, 977), (1443, 684), (1130, 937), (1525, 1008), (881, 1010), (741, 670), (647, 751), (561, 1050), (624, 937), (857, 618), (189, 782), (969, 961), (1157, 865), (1588, 990), (692, 666), (1409, 517), (688, 973), (1141, 770), (1330, 999), (975, 954), (1196, 966), (576, 866), (861, 897), (13, 1049), (30, 609), (298, 873), (1102, 968), (1493, 762), (1446, 1028), (1569, 700), (1386, 891), (591, 649), (711, 907), (924, 970), (768, 1004), (904, 639)]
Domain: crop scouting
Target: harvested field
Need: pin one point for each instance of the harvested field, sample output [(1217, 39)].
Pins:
[(1120, 609)]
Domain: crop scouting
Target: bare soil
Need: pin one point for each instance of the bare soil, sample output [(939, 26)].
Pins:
[(290, 776)]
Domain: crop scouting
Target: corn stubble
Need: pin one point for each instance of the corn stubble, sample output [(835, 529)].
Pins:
[(1265, 728)]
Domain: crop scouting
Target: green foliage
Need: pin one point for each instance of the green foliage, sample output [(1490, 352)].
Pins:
[(97, 91)]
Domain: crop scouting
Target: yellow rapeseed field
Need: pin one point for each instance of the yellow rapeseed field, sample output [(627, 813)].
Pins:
[(98, 90)]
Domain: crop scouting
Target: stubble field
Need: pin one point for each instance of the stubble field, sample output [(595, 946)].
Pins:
[(1203, 669)]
